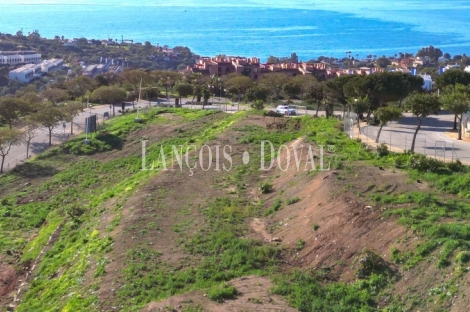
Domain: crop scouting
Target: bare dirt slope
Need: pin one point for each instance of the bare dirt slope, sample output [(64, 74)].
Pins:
[(253, 296)]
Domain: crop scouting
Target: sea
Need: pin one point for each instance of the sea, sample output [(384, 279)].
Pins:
[(253, 27)]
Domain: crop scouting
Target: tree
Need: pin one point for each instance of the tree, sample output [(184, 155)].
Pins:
[(8, 138), (134, 77), (421, 105), (272, 60), (240, 83), (151, 94), (431, 52), (274, 82), (29, 133), (80, 85), (55, 95), (360, 105), (48, 116), (304, 81), (256, 93), (11, 108), (184, 90), (206, 95), (386, 114), (383, 62), (291, 89), (456, 100), (108, 95), (70, 111), (167, 79), (453, 77), (315, 94), (335, 90)]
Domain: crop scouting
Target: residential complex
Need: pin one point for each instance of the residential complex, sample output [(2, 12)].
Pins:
[(28, 72), (252, 67), (19, 57)]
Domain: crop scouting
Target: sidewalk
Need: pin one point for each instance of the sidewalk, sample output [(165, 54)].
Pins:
[(40, 142)]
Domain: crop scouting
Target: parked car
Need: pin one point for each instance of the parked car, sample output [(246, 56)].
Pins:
[(285, 109)]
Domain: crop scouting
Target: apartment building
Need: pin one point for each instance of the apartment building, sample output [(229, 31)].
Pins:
[(19, 57), (52, 64), (221, 66), (26, 73)]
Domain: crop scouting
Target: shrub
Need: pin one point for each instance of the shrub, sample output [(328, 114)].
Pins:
[(293, 200), (422, 163), (462, 257), (315, 227), (265, 187), (77, 147), (456, 166), (258, 105), (272, 113), (370, 263), (382, 150), (222, 292), (276, 207), (300, 244)]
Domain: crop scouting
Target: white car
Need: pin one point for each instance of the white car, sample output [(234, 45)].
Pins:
[(285, 109)]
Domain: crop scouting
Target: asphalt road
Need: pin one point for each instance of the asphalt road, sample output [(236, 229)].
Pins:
[(431, 139)]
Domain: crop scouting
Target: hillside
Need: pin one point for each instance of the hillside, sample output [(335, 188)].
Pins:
[(83, 228)]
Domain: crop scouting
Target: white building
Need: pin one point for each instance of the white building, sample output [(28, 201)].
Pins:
[(427, 82), (19, 57), (455, 66), (26, 73), (442, 59), (52, 64), (467, 69)]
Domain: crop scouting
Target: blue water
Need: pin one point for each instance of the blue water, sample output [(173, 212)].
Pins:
[(253, 28)]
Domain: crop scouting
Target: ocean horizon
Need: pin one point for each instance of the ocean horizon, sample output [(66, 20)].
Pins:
[(254, 28)]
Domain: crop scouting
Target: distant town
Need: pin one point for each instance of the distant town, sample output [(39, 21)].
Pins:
[(29, 64)]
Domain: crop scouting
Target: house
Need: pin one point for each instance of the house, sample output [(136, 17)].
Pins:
[(427, 82), (26, 73), (52, 64), (221, 66), (467, 69), (19, 57)]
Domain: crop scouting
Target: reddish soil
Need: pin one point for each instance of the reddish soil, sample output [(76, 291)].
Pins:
[(253, 296), (8, 282)]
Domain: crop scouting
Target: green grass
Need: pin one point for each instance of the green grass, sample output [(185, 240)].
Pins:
[(79, 190), (221, 293)]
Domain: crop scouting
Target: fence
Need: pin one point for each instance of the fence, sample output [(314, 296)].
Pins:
[(299, 109), (397, 140)]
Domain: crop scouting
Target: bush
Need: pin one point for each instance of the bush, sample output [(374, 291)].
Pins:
[(258, 105), (300, 244), (382, 150), (456, 166), (276, 207), (222, 292), (272, 113), (265, 187), (422, 163), (77, 147), (293, 200), (462, 257), (370, 263)]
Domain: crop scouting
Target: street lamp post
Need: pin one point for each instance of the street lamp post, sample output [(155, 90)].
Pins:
[(357, 116), (86, 141), (137, 119)]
